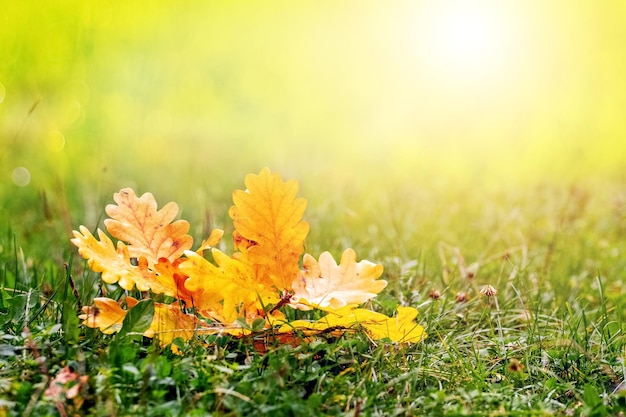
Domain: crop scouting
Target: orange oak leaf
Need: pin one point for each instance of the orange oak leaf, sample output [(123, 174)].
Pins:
[(227, 290), (168, 272), (115, 264), (149, 232), (269, 230), (401, 328), (106, 314), (327, 284)]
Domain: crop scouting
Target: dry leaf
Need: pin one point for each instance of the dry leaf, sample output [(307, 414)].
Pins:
[(327, 284), (116, 266), (169, 272), (211, 241), (170, 322), (268, 219), (149, 232), (66, 385), (225, 291), (401, 328), (106, 314)]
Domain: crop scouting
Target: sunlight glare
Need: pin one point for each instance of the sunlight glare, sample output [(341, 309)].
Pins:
[(466, 40)]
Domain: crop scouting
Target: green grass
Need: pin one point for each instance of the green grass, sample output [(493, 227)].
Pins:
[(550, 343)]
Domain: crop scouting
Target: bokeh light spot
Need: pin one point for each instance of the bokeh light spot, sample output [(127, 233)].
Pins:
[(21, 176), (3, 92)]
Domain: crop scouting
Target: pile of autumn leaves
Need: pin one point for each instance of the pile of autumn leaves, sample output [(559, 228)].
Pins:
[(240, 294)]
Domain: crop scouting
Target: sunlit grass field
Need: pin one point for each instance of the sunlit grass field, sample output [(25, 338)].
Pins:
[(459, 146)]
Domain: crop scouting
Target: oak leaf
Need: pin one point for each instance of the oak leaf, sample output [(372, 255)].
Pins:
[(269, 230), (149, 232), (401, 328), (67, 385), (170, 322), (327, 284), (115, 264), (169, 272), (227, 290), (106, 314), (211, 241)]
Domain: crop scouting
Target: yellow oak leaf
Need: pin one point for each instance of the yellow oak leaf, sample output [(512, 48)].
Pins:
[(115, 264), (269, 227), (327, 284), (149, 232), (401, 328), (227, 290), (170, 322), (211, 241)]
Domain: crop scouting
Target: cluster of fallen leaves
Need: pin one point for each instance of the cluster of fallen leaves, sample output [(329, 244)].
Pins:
[(210, 292)]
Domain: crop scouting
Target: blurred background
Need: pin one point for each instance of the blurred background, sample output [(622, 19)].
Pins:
[(354, 99)]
